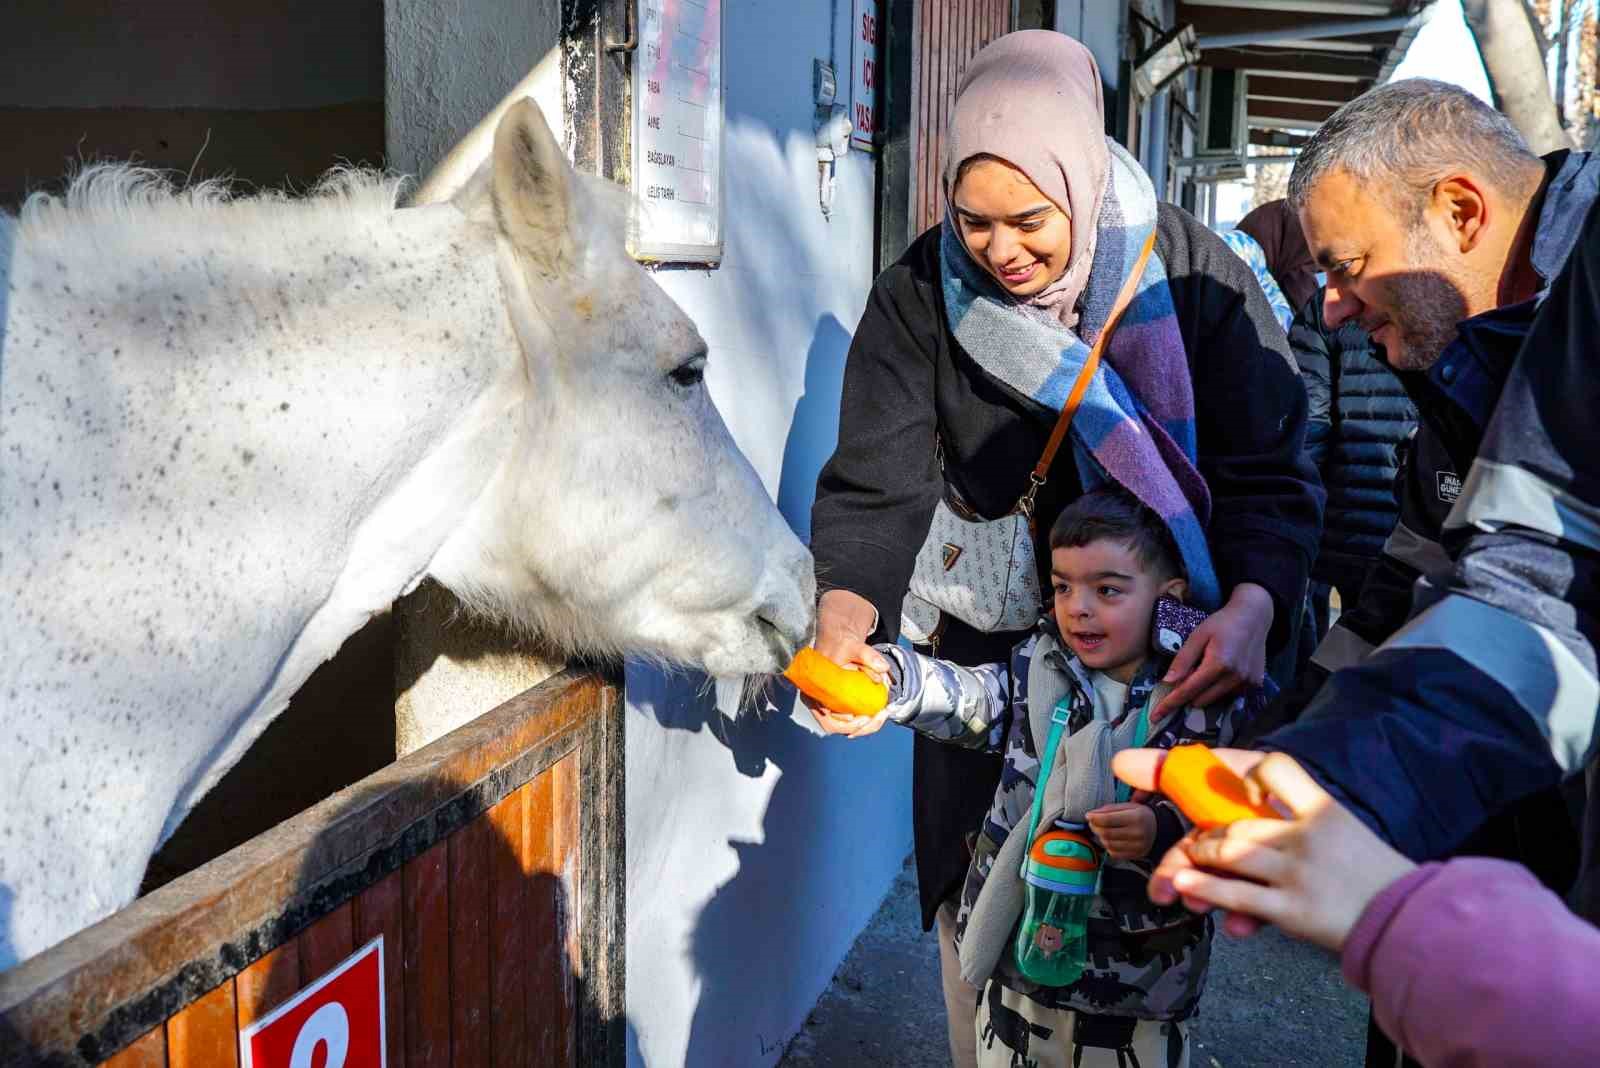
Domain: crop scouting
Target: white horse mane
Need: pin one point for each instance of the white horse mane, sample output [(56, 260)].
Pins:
[(108, 203), (105, 201)]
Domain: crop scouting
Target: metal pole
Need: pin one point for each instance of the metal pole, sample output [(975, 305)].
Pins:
[(1313, 31)]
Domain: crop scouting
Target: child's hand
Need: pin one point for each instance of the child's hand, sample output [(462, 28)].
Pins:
[(1128, 831)]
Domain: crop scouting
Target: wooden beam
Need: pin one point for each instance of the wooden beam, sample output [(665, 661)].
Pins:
[(1291, 63), (1208, 20), (1338, 8), (1276, 139), (1305, 89), (1271, 109)]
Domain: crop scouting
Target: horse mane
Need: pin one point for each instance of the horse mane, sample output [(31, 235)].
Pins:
[(113, 208), (106, 199)]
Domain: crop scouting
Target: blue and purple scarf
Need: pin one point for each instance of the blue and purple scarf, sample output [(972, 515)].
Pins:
[(1136, 423)]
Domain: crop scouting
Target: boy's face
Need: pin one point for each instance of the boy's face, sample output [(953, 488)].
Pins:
[(1104, 600)]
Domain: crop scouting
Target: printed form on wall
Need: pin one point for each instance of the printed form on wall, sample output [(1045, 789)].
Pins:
[(677, 131)]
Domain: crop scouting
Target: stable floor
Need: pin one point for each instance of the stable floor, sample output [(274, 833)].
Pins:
[(1270, 1003)]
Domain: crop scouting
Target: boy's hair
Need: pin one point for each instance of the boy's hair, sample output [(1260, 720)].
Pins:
[(1112, 512)]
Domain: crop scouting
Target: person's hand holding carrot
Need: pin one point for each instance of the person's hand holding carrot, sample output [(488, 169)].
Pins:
[(1311, 875)]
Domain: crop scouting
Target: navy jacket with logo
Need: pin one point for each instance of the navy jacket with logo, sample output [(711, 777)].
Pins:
[(1488, 695), (1454, 400)]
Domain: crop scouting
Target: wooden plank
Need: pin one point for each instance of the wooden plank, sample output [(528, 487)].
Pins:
[(602, 798), (545, 1028), (469, 945), (380, 911), (1272, 109), (1304, 89), (1289, 64), (426, 916), (72, 1001), (921, 105), (938, 74), (150, 1051), (205, 1035), (508, 949), (267, 983), (569, 858), (325, 943)]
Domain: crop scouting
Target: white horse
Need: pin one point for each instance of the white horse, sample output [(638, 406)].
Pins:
[(232, 431)]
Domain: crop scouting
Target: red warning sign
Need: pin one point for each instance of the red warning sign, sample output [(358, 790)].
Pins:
[(336, 1022)]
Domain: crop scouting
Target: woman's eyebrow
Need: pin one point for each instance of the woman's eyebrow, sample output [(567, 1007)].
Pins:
[(1018, 217)]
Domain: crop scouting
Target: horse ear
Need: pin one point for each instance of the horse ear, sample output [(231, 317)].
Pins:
[(532, 189)]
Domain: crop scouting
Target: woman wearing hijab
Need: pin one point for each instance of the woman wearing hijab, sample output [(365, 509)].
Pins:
[(955, 379), (1277, 231)]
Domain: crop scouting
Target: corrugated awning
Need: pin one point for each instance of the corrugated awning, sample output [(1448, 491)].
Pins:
[(1296, 82)]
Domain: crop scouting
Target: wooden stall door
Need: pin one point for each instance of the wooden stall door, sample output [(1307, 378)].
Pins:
[(463, 989), (461, 908), (946, 34)]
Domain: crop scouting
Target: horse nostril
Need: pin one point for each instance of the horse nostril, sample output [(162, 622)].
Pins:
[(782, 643)]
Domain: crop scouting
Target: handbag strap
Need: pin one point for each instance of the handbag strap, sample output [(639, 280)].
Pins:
[(1041, 470)]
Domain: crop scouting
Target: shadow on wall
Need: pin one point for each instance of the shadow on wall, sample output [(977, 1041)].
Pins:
[(747, 925), (814, 431), (786, 877)]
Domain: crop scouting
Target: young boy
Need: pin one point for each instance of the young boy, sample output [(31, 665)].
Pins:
[(1111, 561)]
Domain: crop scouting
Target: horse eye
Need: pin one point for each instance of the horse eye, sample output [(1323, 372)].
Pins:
[(689, 374)]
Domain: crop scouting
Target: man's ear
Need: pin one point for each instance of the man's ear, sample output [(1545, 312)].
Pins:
[(1176, 588), (1460, 204)]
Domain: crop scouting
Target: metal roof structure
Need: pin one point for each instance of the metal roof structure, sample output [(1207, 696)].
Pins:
[(1303, 58)]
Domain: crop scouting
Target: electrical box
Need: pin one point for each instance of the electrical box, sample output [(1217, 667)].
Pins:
[(1224, 124)]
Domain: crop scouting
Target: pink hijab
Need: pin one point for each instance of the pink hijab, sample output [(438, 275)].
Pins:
[(1033, 99)]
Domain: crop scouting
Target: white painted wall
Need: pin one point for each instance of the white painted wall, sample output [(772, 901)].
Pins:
[(1098, 24), (757, 850), (449, 62)]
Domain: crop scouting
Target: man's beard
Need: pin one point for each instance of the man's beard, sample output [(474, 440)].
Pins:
[(1425, 308)]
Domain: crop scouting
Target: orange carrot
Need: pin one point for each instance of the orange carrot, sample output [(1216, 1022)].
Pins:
[(1207, 790), (851, 692)]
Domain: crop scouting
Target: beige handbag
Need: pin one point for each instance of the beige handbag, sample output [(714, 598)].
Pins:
[(985, 572)]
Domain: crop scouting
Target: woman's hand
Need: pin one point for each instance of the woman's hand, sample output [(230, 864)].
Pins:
[(1224, 655), (844, 622), (1312, 875)]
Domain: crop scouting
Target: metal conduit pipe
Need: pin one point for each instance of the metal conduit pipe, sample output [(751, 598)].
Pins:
[(1311, 31)]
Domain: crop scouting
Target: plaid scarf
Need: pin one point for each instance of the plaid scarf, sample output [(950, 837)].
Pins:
[(1136, 424)]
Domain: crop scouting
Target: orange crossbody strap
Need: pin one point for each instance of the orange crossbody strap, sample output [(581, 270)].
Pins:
[(1085, 376)]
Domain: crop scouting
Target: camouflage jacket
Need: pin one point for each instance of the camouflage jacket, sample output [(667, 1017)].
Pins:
[(1145, 961)]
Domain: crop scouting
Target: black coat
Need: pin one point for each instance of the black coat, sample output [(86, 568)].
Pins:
[(906, 378), (1359, 416)]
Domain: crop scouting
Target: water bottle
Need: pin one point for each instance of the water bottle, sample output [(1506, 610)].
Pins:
[(1060, 877)]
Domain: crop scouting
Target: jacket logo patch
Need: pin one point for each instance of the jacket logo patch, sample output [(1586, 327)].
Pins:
[(1449, 486), (952, 553)]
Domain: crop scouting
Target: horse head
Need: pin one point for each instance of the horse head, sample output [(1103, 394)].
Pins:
[(626, 519)]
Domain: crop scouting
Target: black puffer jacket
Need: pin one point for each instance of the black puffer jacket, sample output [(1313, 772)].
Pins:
[(1359, 415)]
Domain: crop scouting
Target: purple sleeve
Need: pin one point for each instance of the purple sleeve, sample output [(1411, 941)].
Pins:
[(1473, 964)]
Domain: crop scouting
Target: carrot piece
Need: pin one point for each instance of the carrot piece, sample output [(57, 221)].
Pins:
[(1207, 790), (839, 689)]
